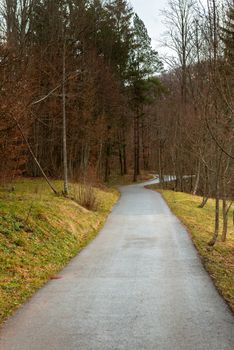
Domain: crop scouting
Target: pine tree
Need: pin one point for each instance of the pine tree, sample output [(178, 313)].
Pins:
[(120, 17), (143, 64), (144, 60)]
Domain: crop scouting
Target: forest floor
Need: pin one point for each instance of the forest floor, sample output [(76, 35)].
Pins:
[(218, 260), (39, 233)]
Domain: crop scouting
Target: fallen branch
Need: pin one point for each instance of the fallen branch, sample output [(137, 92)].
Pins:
[(33, 155)]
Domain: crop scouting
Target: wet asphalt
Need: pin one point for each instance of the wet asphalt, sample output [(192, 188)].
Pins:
[(139, 285)]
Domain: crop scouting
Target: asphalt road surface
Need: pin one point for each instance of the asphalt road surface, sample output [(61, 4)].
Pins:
[(139, 285)]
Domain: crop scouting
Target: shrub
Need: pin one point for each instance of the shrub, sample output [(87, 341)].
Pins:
[(85, 195)]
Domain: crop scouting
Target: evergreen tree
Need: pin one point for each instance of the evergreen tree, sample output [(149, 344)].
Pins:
[(120, 18), (144, 60), (144, 63)]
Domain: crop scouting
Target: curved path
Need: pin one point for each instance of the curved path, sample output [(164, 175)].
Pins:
[(139, 285)]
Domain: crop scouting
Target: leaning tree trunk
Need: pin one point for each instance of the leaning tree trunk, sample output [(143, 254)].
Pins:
[(34, 157), (203, 203)]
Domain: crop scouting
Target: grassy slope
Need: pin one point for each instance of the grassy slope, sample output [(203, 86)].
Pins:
[(219, 260), (39, 233)]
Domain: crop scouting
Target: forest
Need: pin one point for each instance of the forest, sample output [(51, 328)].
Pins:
[(84, 95), (87, 107)]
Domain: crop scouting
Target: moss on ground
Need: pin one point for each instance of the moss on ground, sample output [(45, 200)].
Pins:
[(218, 260), (39, 233)]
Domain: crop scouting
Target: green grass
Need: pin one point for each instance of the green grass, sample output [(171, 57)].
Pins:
[(218, 260), (39, 234)]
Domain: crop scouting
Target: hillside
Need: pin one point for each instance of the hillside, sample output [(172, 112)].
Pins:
[(40, 233)]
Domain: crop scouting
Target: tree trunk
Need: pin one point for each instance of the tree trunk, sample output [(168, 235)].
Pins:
[(145, 144), (216, 230), (203, 203), (206, 190), (121, 160), (225, 220), (161, 177), (217, 198), (125, 168), (65, 173), (136, 146), (99, 161), (107, 163), (197, 178)]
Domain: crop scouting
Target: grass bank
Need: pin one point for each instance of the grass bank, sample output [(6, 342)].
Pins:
[(39, 234), (218, 260)]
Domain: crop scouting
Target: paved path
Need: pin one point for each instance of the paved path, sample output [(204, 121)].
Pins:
[(139, 285)]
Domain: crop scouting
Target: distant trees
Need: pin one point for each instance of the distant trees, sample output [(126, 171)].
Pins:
[(69, 65), (15, 94), (200, 96), (179, 20)]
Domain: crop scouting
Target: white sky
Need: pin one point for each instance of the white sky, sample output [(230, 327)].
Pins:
[(149, 12)]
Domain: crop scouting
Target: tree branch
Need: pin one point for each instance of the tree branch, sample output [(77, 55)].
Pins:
[(216, 141)]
